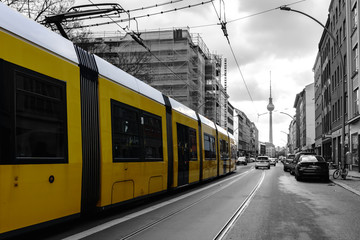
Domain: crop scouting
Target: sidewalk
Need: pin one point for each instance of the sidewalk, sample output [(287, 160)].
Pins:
[(351, 183)]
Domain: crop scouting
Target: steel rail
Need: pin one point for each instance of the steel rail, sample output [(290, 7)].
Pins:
[(226, 228), (150, 225)]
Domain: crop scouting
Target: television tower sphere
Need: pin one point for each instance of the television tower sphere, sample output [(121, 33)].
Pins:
[(270, 106)]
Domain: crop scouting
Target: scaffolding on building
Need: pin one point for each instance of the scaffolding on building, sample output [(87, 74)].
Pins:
[(180, 65)]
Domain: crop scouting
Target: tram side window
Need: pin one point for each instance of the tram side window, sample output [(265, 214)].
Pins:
[(187, 144), (224, 149), (39, 129), (233, 151), (209, 147), (152, 137), (136, 134), (193, 144), (125, 134)]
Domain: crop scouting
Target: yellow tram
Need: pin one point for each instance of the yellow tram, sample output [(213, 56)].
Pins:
[(78, 135)]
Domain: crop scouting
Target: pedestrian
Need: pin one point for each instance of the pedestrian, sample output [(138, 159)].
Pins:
[(348, 157)]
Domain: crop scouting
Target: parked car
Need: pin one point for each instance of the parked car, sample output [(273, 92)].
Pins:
[(296, 160), (289, 158), (273, 161), (311, 166), (262, 161), (241, 160)]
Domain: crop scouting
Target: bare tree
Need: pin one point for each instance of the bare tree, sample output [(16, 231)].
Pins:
[(38, 9), (134, 63)]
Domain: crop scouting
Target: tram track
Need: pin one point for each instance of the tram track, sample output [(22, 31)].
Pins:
[(150, 225), (221, 185), (226, 228)]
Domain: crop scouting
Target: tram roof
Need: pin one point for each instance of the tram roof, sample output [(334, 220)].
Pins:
[(21, 26), (222, 130), (207, 121), (183, 109), (116, 74)]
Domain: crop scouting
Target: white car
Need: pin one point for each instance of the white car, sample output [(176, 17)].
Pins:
[(273, 161), (241, 160), (262, 162)]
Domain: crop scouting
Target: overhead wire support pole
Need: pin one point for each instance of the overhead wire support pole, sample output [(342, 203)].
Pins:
[(286, 8), (83, 11)]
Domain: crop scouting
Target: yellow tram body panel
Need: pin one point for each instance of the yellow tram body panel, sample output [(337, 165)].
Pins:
[(194, 166), (224, 165), (121, 181), (233, 153), (210, 166), (26, 195)]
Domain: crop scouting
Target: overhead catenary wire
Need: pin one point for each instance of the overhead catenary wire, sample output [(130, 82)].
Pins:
[(244, 17), (145, 15), (137, 38), (127, 11), (262, 12), (153, 6), (225, 32), (223, 28)]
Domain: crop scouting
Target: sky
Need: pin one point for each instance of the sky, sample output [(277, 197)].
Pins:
[(267, 43)]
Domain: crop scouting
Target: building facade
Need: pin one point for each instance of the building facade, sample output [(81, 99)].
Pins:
[(292, 137), (318, 105), (338, 77), (230, 118), (305, 119), (246, 135), (176, 62), (324, 89), (270, 150), (351, 37)]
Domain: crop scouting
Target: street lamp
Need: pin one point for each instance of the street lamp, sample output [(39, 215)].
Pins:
[(286, 8), (287, 136), (288, 115)]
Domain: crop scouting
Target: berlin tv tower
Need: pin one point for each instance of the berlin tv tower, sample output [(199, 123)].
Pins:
[(270, 108)]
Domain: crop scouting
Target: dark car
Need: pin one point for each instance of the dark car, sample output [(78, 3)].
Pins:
[(312, 166), (289, 158), (292, 164)]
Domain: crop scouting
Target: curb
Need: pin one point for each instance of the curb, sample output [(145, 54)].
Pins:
[(354, 176), (346, 187)]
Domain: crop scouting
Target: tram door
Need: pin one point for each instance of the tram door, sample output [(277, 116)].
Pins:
[(183, 154)]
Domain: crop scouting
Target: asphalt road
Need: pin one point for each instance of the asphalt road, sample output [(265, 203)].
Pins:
[(286, 209), (199, 213), (270, 204)]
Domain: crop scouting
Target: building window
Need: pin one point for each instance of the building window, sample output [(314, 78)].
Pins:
[(356, 102), (355, 59), (354, 148), (336, 14), (344, 72), (354, 17)]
